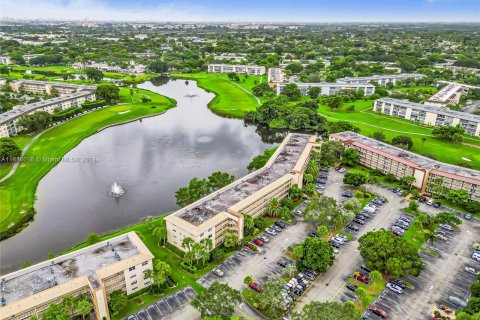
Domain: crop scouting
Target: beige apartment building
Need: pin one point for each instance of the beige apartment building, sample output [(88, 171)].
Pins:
[(327, 88), (119, 263), (428, 114), (389, 159), (45, 87), (382, 79), (224, 210)]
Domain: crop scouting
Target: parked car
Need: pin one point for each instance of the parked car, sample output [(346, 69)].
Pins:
[(337, 240), (393, 287), (334, 244), (271, 231), (437, 204), (476, 256), (429, 202), (324, 169), (219, 273), (399, 283), (276, 228), (255, 286), (438, 231), (352, 227), (337, 168), (341, 236), (312, 234), (351, 286), (379, 312), (342, 170), (364, 267), (359, 221), (360, 277), (282, 263), (422, 199), (264, 238), (457, 301), (335, 250), (347, 195), (446, 227), (468, 216), (258, 242), (471, 270), (251, 246)]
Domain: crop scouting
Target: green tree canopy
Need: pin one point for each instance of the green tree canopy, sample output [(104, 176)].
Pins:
[(316, 310), (108, 92), (317, 254), (8, 150), (218, 299), (383, 251)]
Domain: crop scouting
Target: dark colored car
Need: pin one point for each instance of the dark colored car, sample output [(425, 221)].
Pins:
[(280, 225), (282, 263), (352, 227), (422, 200), (437, 204), (276, 228), (347, 195), (351, 286), (312, 234), (334, 244), (364, 267), (359, 221)]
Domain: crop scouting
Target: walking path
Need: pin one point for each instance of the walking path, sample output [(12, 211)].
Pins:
[(256, 98)]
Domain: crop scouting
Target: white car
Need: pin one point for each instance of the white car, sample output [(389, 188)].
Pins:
[(394, 288), (335, 250), (271, 231), (264, 238), (429, 202), (341, 236), (476, 256), (446, 227), (471, 270)]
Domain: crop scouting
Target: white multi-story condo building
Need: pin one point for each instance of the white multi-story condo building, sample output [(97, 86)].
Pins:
[(9, 120), (450, 94), (431, 115), (5, 60), (45, 87), (327, 88), (234, 57), (96, 271), (276, 75), (382, 79), (223, 210), (132, 68), (401, 163), (236, 68)]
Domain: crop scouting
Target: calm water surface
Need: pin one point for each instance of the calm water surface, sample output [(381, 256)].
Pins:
[(149, 158)]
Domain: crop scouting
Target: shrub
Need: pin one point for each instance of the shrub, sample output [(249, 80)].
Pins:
[(187, 267)]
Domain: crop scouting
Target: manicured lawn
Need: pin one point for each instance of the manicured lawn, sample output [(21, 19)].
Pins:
[(230, 100), (18, 192), (373, 290), (369, 122)]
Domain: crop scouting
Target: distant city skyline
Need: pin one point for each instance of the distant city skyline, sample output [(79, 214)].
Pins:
[(245, 11)]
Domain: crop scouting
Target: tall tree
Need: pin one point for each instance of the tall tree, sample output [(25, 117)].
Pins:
[(273, 208), (317, 254), (218, 299), (271, 297), (316, 310), (118, 302)]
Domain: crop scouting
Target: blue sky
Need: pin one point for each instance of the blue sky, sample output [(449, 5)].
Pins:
[(247, 10)]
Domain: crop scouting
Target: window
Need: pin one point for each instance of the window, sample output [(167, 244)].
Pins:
[(133, 276), (134, 282), (133, 289), (131, 268), (144, 263), (147, 283)]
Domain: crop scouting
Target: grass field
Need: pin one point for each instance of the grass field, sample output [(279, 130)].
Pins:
[(18, 192), (369, 122), (230, 100)]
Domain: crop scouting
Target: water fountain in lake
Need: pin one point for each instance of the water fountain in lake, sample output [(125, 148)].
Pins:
[(116, 190)]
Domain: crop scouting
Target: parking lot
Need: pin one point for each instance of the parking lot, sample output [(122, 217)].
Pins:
[(331, 285), (260, 265), (443, 276), (166, 306)]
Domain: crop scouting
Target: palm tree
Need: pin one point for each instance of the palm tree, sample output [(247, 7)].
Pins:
[(313, 168), (273, 208), (161, 233), (286, 213), (308, 178), (431, 237), (409, 180)]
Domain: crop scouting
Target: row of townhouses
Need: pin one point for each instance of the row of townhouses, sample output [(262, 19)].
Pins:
[(399, 162), (236, 68)]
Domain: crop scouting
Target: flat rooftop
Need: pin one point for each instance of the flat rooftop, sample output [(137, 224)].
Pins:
[(433, 109), (84, 262), (330, 84), (240, 189), (383, 76), (446, 93), (423, 162), (57, 84), (19, 111)]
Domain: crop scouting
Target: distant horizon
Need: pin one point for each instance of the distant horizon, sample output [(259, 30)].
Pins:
[(246, 11)]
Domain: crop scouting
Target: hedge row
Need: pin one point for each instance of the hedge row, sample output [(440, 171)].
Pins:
[(187, 267)]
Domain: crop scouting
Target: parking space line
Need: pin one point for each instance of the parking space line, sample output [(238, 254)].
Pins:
[(338, 291)]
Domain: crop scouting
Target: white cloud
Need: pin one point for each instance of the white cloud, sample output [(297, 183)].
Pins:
[(97, 10)]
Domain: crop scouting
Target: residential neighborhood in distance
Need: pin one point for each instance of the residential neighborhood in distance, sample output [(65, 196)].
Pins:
[(210, 160)]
